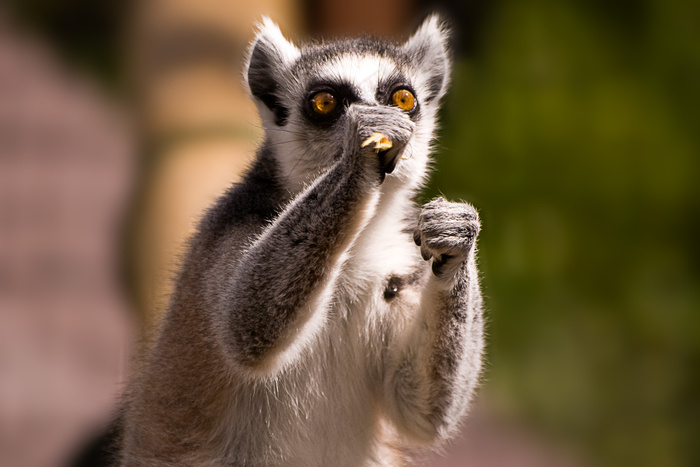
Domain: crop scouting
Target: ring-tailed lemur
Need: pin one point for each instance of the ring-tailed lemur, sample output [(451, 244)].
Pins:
[(306, 327)]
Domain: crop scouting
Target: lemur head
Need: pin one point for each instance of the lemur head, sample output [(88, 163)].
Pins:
[(303, 93)]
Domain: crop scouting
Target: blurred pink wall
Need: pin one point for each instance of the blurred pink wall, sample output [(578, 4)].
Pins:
[(66, 157)]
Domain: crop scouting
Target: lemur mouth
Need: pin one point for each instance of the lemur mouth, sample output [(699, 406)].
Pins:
[(388, 158), (387, 151)]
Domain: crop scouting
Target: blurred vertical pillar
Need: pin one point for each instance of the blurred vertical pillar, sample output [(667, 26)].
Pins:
[(343, 18), (198, 128)]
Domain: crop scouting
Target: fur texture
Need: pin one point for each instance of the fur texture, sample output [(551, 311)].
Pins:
[(307, 328)]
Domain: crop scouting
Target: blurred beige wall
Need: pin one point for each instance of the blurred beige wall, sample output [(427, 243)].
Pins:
[(199, 129)]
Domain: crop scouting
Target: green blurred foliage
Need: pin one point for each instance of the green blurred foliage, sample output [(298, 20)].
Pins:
[(575, 131)]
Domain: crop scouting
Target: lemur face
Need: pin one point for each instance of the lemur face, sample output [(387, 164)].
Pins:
[(304, 93)]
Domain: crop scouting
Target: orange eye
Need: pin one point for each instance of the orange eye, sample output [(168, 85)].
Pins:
[(404, 100), (323, 102)]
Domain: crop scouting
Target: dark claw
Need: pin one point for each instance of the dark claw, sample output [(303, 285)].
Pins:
[(437, 267), (416, 237), (425, 253), (445, 257), (439, 263)]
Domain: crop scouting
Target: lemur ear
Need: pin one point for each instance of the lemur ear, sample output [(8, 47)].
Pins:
[(269, 55), (428, 48)]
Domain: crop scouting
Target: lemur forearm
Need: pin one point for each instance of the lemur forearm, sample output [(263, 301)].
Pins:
[(271, 293), (279, 284), (440, 356), (435, 365)]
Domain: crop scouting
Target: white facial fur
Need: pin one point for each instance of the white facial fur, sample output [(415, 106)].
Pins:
[(303, 151)]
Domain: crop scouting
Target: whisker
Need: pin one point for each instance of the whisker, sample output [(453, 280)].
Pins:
[(296, 164)]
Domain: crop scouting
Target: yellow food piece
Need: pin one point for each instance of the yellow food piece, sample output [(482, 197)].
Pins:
[(380, 141)]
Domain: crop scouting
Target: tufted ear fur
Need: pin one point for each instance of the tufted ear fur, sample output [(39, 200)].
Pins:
[(428, 49), (270, 55)]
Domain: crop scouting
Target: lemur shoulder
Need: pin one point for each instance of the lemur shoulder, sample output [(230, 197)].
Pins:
[(321, 317)]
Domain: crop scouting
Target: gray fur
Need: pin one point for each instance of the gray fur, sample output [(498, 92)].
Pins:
[(305, 328)]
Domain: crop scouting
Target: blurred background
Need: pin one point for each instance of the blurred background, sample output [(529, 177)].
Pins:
[(573, 125)]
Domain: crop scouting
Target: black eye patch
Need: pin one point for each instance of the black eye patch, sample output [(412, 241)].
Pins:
[(387, 89), (342, 92)]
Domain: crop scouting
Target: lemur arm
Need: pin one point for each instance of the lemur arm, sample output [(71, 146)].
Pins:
[(434, 367), (278, 293)]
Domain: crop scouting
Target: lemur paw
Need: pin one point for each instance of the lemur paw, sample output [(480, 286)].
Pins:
[(380, 134), (446, 232)]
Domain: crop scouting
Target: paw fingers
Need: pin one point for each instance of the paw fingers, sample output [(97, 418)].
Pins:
[(446, 232), (439, 264), (416, 237)]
